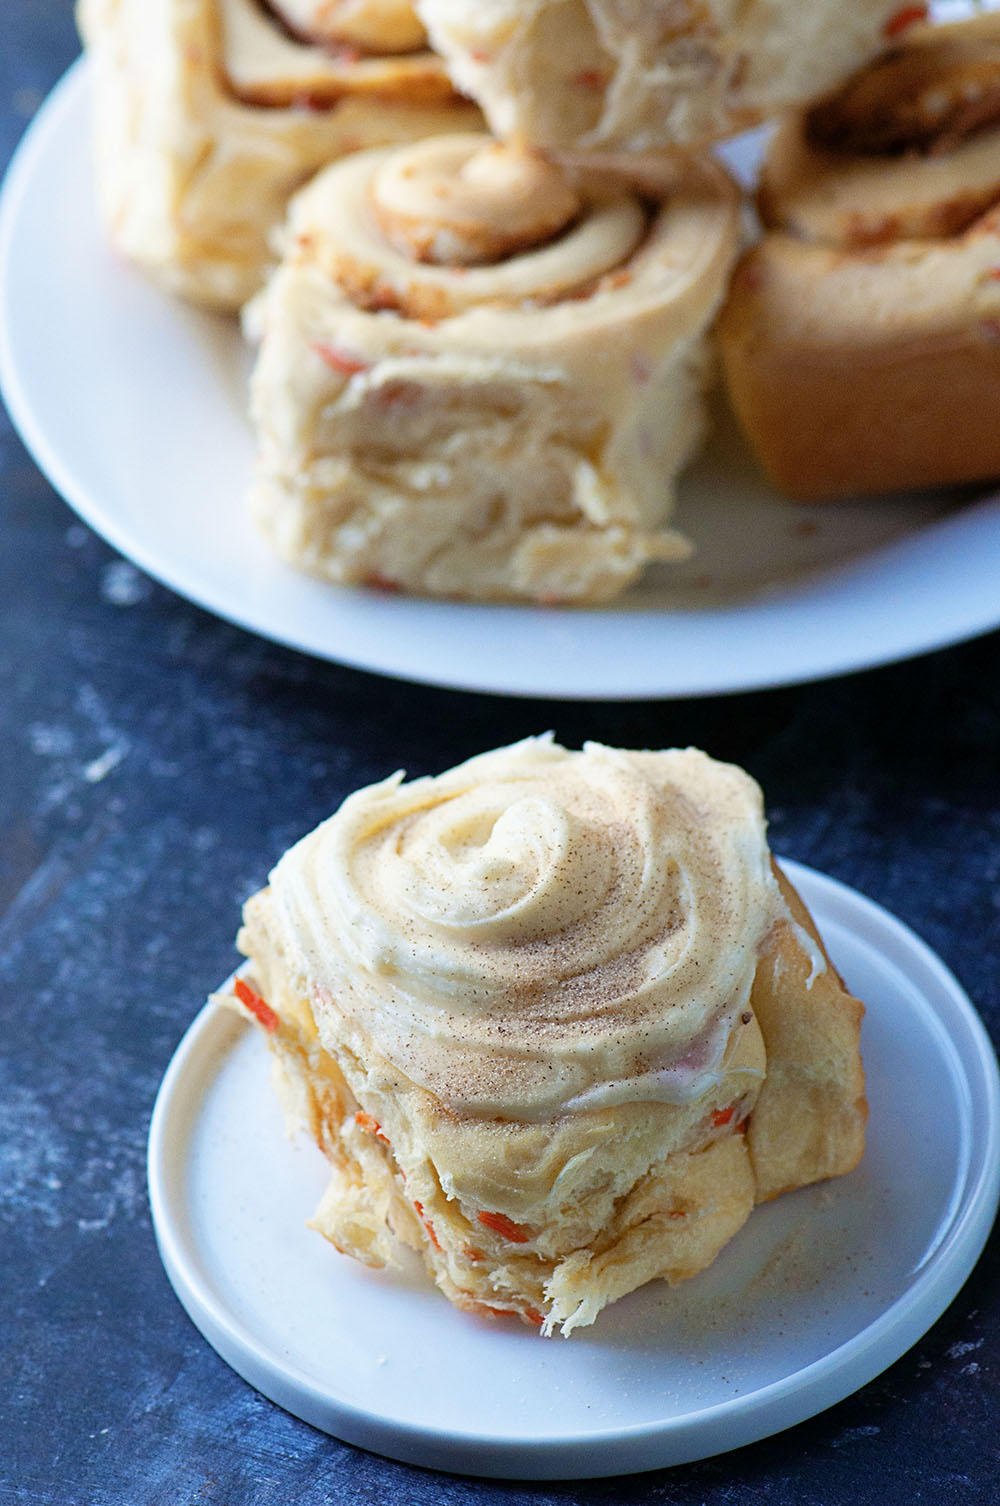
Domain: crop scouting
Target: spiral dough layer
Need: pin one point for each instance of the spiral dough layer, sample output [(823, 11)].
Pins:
[(372, 25)]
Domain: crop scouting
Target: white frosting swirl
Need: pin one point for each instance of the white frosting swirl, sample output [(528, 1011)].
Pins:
[(538, 930)]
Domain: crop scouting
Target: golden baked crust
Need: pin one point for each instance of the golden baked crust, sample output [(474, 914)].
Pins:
[(545, 1158), (208, 116), (861, 337), (479, 374)]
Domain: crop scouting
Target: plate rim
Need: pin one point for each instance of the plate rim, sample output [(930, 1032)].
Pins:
[(717, 1428), (838, 645)]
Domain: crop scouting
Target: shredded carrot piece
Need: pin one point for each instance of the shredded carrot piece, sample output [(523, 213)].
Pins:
[(908, 16), (532, 1315), (256, 1005), (426, 1223), (338, 360), (591, 78), (506, 1227), (368, 1122), (723, 1116)]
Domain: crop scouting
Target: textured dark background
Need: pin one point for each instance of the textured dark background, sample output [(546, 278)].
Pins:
[(153, 764)]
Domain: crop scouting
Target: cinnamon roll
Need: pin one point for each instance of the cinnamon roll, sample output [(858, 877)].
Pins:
[(556, 1022), (209, 114), (636, 75), (861, 339), (479, 373)]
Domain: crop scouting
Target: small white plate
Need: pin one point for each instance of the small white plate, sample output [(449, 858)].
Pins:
[(134, 406), (818, 1293)]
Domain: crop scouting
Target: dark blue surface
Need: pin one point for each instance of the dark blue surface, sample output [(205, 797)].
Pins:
[(153, 765)]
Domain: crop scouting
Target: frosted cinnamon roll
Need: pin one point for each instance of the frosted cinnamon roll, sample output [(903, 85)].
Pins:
[(639, 75), (210, 113), (479, 374), (861, 340), (555, 1020)]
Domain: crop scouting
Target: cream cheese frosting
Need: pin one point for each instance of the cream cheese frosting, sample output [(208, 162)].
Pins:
[(538, 930)]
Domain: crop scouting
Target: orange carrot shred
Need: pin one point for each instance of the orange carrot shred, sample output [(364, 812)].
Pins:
[(505, 1227), (591, 78), (723, 1116), (256, 1005), (908, 16), (426, 1223), (370, 1123), (338, 360)]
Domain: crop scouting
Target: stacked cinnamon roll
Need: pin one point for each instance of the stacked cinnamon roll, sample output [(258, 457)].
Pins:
[(556, 1022), (482, 361)]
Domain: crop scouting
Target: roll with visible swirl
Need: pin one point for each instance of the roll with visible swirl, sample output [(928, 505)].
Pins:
[(479, 373), (861, 339), (640, 75), (209, 114), (555, 1020)]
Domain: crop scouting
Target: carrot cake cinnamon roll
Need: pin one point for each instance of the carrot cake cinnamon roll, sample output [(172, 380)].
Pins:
[(555, 1020), (636, 75), (479, 374), (210, 113), (861, 340)]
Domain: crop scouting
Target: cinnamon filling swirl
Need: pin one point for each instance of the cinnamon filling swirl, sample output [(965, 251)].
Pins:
[(923, 99), (456, 223)]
